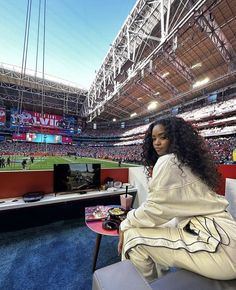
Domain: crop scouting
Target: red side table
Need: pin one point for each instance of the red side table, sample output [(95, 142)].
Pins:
[(96, 226)]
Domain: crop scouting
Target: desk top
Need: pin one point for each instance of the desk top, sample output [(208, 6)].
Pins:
[(18, 202)]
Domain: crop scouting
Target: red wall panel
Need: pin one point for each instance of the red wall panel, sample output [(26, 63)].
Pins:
[(118, 174), (16, 183), (227, 171)]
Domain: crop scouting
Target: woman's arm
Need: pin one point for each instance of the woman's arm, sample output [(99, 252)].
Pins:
[(120, 243), (174, 193), (150, 213)]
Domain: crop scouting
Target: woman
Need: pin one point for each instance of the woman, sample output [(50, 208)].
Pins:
[(183, 223)]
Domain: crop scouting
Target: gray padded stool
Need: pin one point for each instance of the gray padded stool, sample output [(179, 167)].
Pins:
[(124, 276)]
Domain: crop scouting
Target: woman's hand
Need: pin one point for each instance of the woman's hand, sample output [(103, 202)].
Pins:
[(120, 243)]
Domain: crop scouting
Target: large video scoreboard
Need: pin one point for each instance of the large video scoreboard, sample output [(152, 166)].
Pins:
[(41, 138), (36, 121)]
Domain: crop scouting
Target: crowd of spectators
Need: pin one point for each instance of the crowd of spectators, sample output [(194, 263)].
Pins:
[(213, 110), (221, 147), (215, 122), (218, 131), (124, 153)]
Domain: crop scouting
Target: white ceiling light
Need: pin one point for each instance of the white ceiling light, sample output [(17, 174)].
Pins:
[(114, 119), (152, 105), (196, 65), (165, 74), (132, 115), (200, 83)]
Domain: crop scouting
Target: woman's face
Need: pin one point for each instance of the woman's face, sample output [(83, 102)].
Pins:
[(160, 142)]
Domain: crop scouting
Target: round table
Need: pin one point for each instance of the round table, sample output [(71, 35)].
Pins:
[(96, 226)]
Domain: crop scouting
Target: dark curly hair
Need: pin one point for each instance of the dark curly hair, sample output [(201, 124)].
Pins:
[(187, 145)]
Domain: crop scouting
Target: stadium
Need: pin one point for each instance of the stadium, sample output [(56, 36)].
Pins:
[(169, 58)]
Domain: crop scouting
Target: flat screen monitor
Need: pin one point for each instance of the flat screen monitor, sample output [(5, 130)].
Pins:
[(212, 99), (76, 177)]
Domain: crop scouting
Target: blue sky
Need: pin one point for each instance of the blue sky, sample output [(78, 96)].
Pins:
[(78, 35)]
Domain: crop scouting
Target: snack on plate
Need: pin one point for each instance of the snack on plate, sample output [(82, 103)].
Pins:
[(116, 211), (98, 212)]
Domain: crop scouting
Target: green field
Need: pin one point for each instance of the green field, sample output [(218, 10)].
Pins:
[(47, 162)]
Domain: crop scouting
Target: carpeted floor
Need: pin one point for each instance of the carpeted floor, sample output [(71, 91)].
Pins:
[(55, 256)]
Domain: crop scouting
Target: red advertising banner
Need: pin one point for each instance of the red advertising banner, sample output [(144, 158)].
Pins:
[(66, 140), (19, 137), (2, 116)]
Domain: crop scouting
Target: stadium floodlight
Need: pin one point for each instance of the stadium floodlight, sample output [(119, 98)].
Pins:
[(196, 65), (152, 105), (200, 83), (165, 74)]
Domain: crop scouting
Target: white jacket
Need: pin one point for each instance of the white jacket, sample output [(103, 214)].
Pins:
[(176, 192)]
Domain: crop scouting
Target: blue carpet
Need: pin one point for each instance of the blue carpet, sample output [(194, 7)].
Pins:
[(55, 256)]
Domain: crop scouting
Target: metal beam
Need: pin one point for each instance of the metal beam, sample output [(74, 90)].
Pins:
[(179, 66), (164, 83), (37, 82), (33, 97), (142, 20), (149, 91), (209, 26)]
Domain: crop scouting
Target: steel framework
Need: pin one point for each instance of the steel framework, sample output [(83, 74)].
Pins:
[(158, 36), (33, 89), (126, 55)]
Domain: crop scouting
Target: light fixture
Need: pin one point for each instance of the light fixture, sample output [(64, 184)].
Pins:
[(114, 119), (196, 65), (200, 83), (152, 105), (132, 115), (165, 74)]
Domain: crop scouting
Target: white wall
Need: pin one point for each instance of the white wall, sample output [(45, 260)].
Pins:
[(230, 195), (138, 179)]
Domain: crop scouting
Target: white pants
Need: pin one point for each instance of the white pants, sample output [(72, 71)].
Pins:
[(151, 260)]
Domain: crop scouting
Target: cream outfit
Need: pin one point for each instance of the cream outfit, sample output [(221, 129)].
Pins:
[(182, 223)]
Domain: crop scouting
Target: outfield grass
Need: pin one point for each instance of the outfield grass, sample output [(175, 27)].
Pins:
[(45, 163)]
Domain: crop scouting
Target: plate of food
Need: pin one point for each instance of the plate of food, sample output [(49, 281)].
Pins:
[(117, 212), (94, 213), (127, 184)]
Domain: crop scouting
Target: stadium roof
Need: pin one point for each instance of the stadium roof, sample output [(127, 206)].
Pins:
[(167, 52)]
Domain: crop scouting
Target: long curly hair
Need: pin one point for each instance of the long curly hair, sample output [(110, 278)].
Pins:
[(187, 145)]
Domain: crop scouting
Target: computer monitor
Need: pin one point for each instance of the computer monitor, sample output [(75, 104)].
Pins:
[(76, 177)]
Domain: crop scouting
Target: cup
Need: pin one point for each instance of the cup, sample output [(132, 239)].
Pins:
[(126, 201)]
